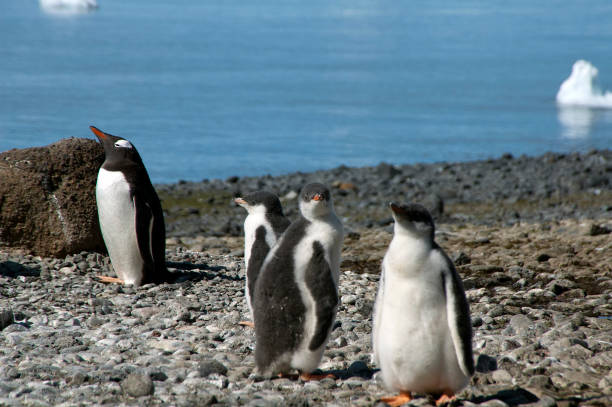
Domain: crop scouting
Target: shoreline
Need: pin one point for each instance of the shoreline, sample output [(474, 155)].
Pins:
[(494, 191)]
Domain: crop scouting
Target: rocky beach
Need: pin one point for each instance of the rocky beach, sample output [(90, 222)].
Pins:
[(530, 236)]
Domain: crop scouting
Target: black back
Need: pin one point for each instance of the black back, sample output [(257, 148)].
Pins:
[(151, 243), (462, 310), (322, 287), (279, 223), (278, 309), (259, 251)]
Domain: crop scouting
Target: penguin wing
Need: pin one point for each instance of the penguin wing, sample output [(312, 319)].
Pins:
[(144, 230), (458, 312), (320, 282), (259, 251), (378, 306)]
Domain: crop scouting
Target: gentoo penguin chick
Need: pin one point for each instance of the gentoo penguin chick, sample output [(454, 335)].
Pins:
[(263, 226), (422, 335), (296, 293), (130, 214)]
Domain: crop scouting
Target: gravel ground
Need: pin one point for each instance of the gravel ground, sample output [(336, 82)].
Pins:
[(539, 286)]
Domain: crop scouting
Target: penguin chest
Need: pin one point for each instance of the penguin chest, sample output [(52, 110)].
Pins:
[(414, 344), (117, 218)]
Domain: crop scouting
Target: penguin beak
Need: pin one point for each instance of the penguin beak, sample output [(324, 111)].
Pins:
[(395, 207), (99, 133), (317, 197), (240, 201)]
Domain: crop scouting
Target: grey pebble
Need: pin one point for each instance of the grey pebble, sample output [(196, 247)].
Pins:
[(138, 385)]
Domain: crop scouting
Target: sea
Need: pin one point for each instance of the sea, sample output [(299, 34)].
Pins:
[(215, 88)]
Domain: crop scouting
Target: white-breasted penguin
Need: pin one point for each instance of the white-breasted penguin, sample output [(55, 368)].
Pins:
[(296, 293), (263, 226), (130, 214), (422, 335)]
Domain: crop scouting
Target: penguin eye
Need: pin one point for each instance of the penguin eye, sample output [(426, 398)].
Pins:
[(123, 144)]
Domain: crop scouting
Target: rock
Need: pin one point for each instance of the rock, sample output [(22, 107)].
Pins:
[(542, 257), (47, 196), (461, 259), (502, 376), (485, 363), (521, 324), (597, 230), (212, 366), (137, 385), (6, 318)]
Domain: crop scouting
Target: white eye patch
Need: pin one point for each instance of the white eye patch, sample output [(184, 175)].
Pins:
[(123, 144)]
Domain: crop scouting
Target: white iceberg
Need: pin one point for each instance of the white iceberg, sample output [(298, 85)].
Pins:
[(68, 6), (581, 89)]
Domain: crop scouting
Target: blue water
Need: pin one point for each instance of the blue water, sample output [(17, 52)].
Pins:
[(209, 89)]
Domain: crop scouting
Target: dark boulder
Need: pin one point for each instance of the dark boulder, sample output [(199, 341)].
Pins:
[(47, 198)]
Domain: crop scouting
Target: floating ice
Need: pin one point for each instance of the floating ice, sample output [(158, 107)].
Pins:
[(68, 6), (580, 88)]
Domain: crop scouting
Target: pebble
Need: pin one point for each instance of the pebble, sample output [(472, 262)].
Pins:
[(137, 385)]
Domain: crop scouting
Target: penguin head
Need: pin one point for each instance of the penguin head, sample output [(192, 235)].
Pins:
[(261, 202), (413, 219), (118, 151), (315, 201)]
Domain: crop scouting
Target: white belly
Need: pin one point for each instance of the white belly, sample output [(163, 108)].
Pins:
[(414, 346), (117, 217)]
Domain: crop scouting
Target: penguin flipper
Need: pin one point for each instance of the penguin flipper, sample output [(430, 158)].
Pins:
[(259, 251), (321, 284), (148, 228), (458, 312), (378, 306)]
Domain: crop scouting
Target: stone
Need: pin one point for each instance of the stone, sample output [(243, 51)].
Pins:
[(47, 197), (485, 363), (209, 367), (502, 376), (6, 318), (521, 324), (137, 385), (597, 230)]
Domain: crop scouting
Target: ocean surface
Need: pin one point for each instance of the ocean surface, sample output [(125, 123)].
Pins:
[(210, 89)]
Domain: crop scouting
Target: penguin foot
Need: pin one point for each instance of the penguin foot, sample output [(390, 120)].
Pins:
[(247, 323), (309, 376), (107, 279), (396, 401), (445, 399)]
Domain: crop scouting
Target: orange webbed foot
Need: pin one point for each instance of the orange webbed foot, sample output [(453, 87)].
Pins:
[(110, 280), (445, 399), (247, 323), (309, 376), (396, 401), (290, 376)]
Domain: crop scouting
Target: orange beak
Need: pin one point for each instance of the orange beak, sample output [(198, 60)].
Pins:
[(240, 201), (97, 132), (317, 197)]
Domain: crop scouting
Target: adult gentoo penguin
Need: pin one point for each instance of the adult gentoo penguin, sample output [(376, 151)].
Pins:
[(422, 335), (130, 214), (263, 226), (296, 293)]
